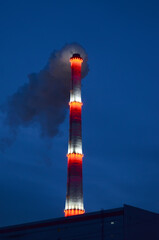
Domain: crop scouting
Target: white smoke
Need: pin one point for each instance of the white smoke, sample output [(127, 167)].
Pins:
[(44, 99)]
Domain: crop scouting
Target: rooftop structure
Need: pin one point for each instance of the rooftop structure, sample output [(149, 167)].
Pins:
[(125, 223)]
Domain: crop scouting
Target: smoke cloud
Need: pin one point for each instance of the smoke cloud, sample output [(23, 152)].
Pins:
[(44, 99)]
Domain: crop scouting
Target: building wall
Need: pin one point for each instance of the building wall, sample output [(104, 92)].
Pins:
[(101, 226), (128, 223), (140, 224)]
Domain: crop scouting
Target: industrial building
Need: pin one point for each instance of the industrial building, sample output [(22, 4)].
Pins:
[(125, 223)]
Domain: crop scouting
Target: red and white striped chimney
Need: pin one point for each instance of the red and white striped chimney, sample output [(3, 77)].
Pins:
[(74, 197)]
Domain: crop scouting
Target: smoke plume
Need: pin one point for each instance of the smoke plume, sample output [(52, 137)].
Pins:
[(44, 99)]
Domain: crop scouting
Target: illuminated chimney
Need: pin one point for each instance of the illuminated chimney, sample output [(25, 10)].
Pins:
[(74, 197)]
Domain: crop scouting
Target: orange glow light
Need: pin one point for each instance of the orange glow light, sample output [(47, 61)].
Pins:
[(75, 105), (76, 60), (72, 212), (75, 157)]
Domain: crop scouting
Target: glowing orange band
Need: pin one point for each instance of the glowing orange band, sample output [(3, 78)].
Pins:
[(75, 104), (76, 60), (75, 157), (72, 212)]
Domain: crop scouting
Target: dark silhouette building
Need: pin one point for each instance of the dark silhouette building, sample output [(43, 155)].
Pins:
[(125, 223)]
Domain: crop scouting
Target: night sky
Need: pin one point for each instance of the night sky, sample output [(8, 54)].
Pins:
[(120, 106)]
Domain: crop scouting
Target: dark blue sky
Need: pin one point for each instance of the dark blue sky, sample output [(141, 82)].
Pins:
[(120, 111)]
